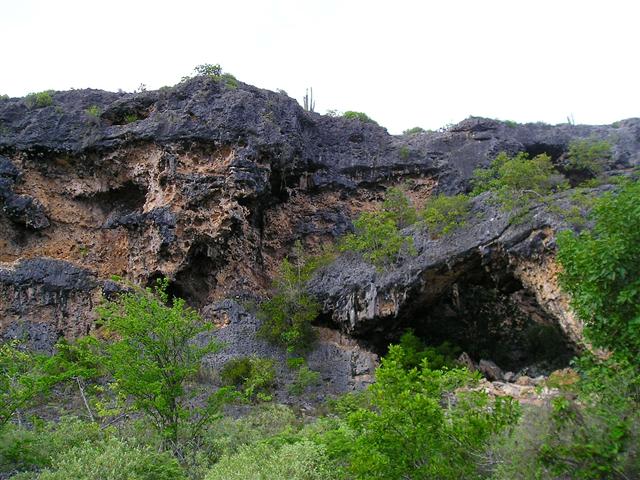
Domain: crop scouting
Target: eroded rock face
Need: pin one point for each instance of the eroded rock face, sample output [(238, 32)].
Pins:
[(343, 365), (211, 186)]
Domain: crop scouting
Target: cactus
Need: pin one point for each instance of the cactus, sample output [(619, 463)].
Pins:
[(309, 102)]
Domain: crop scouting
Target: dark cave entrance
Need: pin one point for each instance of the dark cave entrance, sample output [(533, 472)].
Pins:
[(485, 311), (195, 281)]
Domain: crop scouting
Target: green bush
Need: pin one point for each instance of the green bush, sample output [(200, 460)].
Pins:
[(23, 449), (264, 421), (288, 314), (591, 431), (112, 460), (39, 99), (414, 352), (152, 358), (362, 117), (413, 131), (589, 154), (25, 377), (131, 117), (601, 272), (410, 430), (305, 378), (443, 214), (377, 237), (399, 207), (254, 377), (94, 111), (303, 460), (518, 181), (377, 234)]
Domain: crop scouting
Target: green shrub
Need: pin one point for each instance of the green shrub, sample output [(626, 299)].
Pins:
[(208, 69), (112, 460), (305, 379), (399, 207), (517, 181), (288, 314), (264, 421), (601, 272), (39, 99), (510, 123), (589, 154), (229, 80), (404, 152), (377, 234), (590, 432), (254, 377), (94, 111), (153, 356), (360, 116), (443, 214), (377, 237), (131, 117), (302, 460), (25, 377), (4, 97), (413, 131), (23, 449), (411, 431), (414, 352)]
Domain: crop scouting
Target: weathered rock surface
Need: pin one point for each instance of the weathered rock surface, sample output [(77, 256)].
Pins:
[(211, 186), (343, 365)]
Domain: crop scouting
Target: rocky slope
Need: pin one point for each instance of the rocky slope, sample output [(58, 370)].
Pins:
[(211, 185)]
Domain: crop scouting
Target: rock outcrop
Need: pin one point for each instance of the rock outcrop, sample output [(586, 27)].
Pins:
[(211, 185)]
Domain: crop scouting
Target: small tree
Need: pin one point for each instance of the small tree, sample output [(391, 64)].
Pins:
[(154, 356), (399, 206), (288, 314), (516, 181), (601, 272), (24, 376), (589, 154)]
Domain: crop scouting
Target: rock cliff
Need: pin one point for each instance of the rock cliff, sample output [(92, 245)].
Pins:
[(211, 185)]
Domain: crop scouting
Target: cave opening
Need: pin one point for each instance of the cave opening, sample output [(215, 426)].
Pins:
[(484, 311), (125, 198)]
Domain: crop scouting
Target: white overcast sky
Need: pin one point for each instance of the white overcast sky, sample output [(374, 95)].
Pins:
[(405, 63)]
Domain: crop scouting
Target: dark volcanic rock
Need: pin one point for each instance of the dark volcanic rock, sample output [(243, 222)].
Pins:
[(211, 186), (343, 365)]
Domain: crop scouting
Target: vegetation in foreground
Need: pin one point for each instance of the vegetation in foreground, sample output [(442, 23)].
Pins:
[(421, 419)]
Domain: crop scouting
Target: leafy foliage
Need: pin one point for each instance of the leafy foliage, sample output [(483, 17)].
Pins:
[(303, 460), (410, 432), (305, 378), (360, 116), (591, 431), (414, 131), (24, 377), (154, 355), (255, 377), (414, 353), (112, 459), (517, 181), (93, 111), (23, 449), (39, 99), (444, 214), (601, 272), (377, 234), (287, 315), (589, 154), (399, 207)]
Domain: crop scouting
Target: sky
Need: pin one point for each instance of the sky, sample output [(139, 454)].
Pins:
[(404, 63)]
